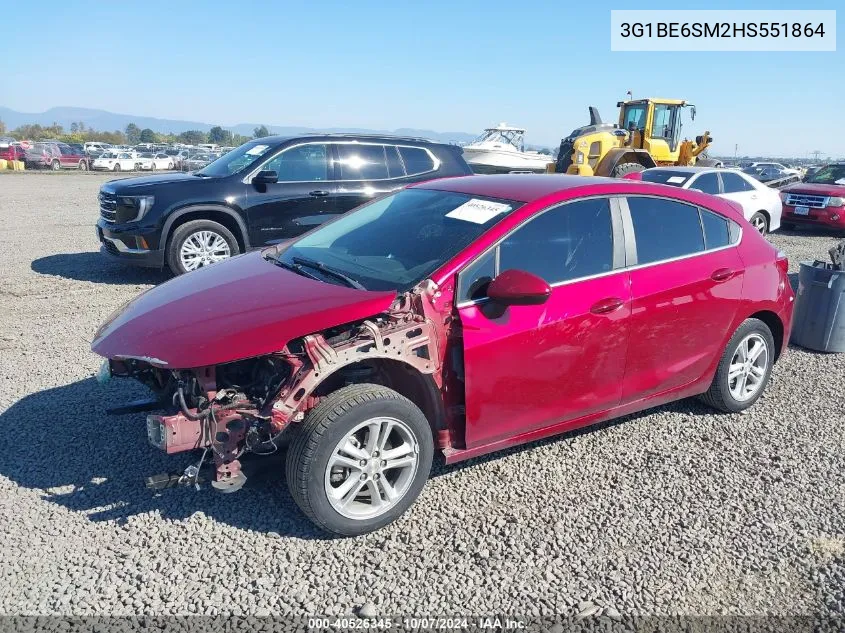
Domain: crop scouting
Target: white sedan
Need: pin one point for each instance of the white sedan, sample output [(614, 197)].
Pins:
[(761, 205), (152, 161), (116, 161)]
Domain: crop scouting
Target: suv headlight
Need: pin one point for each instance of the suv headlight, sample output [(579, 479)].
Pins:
[(137, 206), (835, 201)]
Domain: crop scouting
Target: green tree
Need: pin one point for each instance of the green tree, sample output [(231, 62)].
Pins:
[(192, 137), (219, 136), (260, 132), (133, 134), (2, 127), (147, 136)]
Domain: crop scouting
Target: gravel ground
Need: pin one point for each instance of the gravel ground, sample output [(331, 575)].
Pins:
[(674, 511)]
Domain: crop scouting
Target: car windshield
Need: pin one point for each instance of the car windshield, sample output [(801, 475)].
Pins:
[(108, 155), (667, 177), (236, 160), (397, 241), (829, 175), (146, 155)]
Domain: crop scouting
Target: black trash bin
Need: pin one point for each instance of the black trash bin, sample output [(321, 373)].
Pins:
[(818, 321)]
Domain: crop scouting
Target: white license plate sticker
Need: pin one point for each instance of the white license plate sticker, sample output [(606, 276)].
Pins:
[(802, 210)]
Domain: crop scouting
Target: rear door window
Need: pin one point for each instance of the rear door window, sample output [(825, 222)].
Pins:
[(734, 183), (716, 230), (362, 162), (394, 162), (708, 183), (417, 160), (665, 229)]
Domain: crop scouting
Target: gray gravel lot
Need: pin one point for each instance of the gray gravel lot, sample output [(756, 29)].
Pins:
[(674, 511)]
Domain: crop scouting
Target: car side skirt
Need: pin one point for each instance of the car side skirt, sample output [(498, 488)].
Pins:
[(698, 387)]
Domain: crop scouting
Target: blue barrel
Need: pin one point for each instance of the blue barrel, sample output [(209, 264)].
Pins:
[(818, 321)]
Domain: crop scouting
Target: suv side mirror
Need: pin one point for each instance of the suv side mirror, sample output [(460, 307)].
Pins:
[(265, 177), (518, 288)]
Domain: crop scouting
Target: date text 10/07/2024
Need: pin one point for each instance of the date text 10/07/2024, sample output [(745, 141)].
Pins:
[(721, 29), (497, 623)]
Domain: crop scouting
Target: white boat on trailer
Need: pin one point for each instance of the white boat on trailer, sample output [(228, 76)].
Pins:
[(501, 150)]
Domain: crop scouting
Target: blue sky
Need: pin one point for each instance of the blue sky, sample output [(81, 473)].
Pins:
[(446, 66)]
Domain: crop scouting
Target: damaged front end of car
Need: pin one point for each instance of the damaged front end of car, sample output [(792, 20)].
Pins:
[(252, 406)]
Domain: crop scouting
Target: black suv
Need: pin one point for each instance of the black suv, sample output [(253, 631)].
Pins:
[(265, 191)]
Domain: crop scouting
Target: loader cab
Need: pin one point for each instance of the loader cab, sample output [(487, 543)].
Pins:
[(654, 125)]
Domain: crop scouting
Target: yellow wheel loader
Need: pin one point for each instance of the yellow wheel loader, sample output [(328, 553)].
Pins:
[(648, 134)]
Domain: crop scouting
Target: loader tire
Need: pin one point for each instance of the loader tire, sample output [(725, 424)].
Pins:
[(626, 168)]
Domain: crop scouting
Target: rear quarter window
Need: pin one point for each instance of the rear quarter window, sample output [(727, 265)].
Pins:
[(417, 160)]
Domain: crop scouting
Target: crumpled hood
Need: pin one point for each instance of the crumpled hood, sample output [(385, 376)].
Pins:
[(240, 308)]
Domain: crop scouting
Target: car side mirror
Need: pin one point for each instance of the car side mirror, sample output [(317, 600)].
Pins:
[(265, 177), (518, 288)]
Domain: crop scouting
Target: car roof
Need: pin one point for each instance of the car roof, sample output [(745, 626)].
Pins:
[(688, 169), (520, 187), (348, 136)]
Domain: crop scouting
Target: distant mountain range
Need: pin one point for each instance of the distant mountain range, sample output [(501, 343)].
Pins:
[(104, 121)]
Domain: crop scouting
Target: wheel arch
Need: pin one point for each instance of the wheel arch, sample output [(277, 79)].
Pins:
[(216, 213), (393, 373), (775, 325), (619, 155)]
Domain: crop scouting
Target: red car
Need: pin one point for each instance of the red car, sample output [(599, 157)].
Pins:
[(818, 201), (462, 316)]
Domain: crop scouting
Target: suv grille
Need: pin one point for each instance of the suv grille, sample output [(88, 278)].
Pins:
[(108, 206), (806, 200)]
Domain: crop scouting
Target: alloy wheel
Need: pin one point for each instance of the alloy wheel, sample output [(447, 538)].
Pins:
[(203, 248), (748, 367), (759, 223), (371, 468)]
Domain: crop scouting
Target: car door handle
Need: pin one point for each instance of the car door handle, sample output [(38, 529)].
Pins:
[(722, 274), (319, 193), (606, 306)]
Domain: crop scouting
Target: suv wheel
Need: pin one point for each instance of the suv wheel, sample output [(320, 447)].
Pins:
[(83, 166), (200, 243), (744, 370), (56, 165), (360, 459), (116, 167)]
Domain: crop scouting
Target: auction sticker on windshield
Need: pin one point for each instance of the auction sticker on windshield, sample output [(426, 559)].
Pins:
[(478, 211), (257, 150)]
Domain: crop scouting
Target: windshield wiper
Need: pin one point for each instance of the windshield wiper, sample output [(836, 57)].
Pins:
[(328, 271), (299, 270)]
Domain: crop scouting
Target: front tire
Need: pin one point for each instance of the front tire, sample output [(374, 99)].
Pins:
[(56, 165), (83, 166), (744, 370), (626, 168), (760, 222), (200, 243), (360, 459), (116, 167)]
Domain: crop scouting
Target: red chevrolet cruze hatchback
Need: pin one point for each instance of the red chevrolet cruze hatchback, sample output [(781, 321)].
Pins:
[(460, 316)]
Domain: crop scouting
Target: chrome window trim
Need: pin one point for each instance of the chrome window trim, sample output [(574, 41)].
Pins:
[(247, 180), (614, 222), (628, 238)]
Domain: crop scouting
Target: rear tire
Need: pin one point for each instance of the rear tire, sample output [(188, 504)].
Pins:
[(56, 165), (362, 501), (626, 168), (83, 166), (760, 222), (179, 257), (732, 390), (116, 167)]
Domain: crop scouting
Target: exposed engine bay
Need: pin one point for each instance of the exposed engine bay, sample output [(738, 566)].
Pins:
[(248, 406)]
